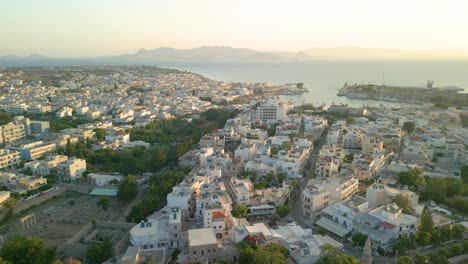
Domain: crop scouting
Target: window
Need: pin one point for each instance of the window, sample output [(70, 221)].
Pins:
[(209, 250), (214, 250), (194, 252)]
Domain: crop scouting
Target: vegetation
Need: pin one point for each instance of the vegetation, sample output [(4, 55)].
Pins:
[(240, 211), (5, 118), (174, 256), (103, 203), (282, 210), (413, 178), (24, 250), (359, 240), (404, 244), (100, 134), (128, 189), (99, 252), (331, 255), (403, 202), (409, 127), (9, 206), (271, 253), (160, 185)]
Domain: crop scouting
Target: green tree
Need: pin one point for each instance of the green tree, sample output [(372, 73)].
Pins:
[(24, 250), (454, 187), (420, 259), (458, 231), (409, 127), (5, 118), (426, 224), (412, 178), (359, 240), (103, 203), (28, 172), (445, 233), (282, 210), (405, 260), (70, 149), (272, 130), (99, 252), (128, 189), (240, 211), (464, 174), (350, 120), (455, 250), (100, 134), (436, 190), (281, 177), (423, 238), (271, 253), (404, 203), (331, 255), (9, 206), (404, 244)]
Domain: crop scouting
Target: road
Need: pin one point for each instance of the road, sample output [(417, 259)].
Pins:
[(295, 196)]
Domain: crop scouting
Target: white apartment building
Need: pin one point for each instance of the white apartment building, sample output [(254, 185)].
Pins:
[(270, 112), (352, 138), (161, 230), (35, 150), (314, 198), (379, 194), (338, 218), (71, 169), (241, 190), (180, 197), (245, 151), (327, 167), (9, 158), (384, 224)]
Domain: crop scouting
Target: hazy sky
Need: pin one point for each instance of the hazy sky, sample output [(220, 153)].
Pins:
[(107, 27)]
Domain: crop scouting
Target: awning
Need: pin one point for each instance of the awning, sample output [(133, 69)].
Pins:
[(332, 227)]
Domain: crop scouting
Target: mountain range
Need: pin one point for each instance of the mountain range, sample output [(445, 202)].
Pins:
[(225, 54)]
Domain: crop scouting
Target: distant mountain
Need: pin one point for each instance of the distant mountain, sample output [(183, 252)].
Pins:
[(226, 54), (213, 53)]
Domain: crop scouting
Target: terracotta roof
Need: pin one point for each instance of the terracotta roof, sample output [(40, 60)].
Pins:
[(387, 225), (217, 214)]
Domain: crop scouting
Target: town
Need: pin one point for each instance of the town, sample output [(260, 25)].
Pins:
[(141, 164)]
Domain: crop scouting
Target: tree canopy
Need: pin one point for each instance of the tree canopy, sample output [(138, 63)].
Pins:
[(404, 203), (331, 255), (359, 240), (282, 210), (24, 250), (271, 254), (128, 189), (409, 127), (99, 252), (240, 211), (412, 178)]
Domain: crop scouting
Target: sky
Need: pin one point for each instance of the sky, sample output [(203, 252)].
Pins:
[(83, 28)]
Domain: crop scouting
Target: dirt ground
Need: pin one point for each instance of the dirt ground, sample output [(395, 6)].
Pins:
[(59, 218)]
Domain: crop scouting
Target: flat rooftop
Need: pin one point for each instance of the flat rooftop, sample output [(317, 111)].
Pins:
[(201, 237)]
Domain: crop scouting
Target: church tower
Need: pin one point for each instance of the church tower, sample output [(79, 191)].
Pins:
[(367, 254)]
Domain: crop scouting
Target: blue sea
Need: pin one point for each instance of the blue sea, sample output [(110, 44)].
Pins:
[(323, 78)]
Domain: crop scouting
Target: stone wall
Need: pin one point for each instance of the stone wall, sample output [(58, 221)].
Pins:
[(39, 199)]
